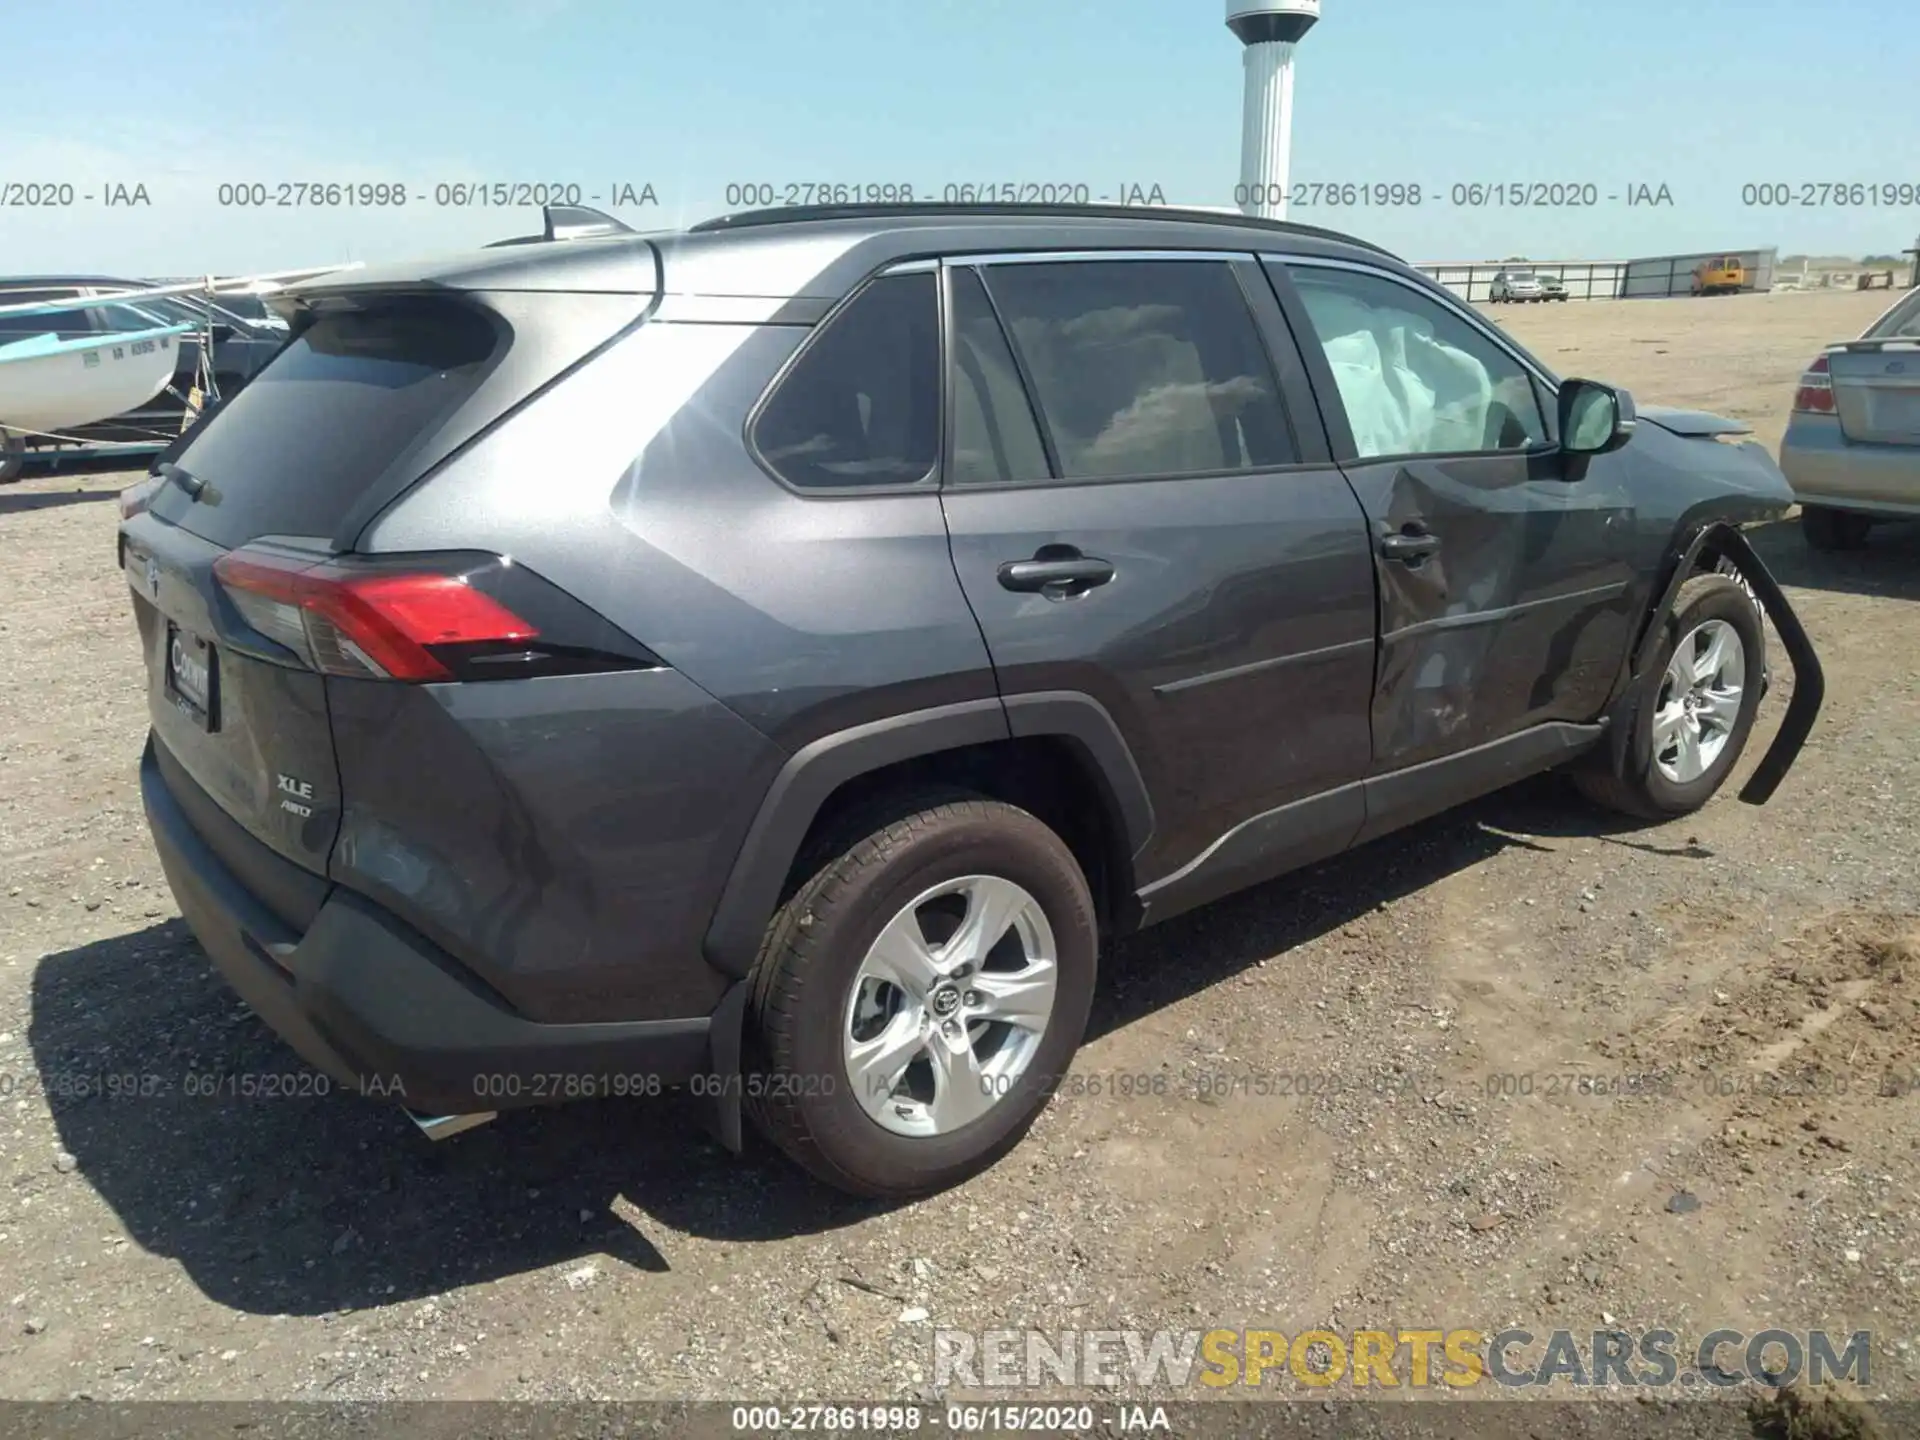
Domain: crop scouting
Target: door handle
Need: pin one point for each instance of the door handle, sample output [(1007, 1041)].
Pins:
[(1410, 546), (1056, 578)]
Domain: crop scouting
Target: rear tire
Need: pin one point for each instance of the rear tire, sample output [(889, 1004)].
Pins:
[(1828, 529), (1696, 708), (13, 456), (866, 1065)]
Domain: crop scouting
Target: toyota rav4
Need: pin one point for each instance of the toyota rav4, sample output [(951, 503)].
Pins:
[(774, 657)]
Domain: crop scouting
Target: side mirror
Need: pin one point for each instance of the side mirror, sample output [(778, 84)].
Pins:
[(222, 333), (1595, 419)]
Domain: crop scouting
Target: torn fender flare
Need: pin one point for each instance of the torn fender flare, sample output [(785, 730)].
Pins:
[(1809, 681)]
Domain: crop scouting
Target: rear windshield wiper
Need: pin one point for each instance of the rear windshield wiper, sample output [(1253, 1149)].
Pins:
[(179, 475)]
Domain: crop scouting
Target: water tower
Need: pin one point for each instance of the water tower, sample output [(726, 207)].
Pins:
[(1269, 29)]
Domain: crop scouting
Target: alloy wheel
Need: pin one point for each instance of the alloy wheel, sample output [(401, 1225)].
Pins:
[(949, 1005), (1699, 702)]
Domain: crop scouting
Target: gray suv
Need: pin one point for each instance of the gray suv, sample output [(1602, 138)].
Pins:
[(772, 658)]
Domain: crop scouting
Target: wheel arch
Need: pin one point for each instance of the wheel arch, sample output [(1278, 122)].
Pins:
[(950, 743), (1702, 546)]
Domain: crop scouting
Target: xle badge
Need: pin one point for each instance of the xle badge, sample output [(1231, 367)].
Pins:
[(298, 788)]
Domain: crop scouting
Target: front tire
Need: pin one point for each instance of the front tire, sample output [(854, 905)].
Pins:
[(916, 1000), (13, 456), (1828, 529), (1694, 713)]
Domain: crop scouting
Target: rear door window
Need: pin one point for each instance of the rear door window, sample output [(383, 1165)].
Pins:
[(860, 406), (353, 394), (1143, 367), (996, 439)]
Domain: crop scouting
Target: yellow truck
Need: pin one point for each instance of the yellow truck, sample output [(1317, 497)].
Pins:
[(1722, 275)]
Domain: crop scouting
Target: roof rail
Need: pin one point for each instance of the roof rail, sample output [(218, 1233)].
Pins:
[(792, 214), (569, 222)]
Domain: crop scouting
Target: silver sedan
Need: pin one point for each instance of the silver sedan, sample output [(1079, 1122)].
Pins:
[(1852, 447)]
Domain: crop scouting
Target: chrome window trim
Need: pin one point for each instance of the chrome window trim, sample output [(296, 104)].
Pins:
[(1080, 257)]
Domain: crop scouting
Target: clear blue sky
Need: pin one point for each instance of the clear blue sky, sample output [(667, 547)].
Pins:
[(690, 97)]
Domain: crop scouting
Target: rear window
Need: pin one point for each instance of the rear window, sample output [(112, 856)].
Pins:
[(294, 451), (1902, 322)]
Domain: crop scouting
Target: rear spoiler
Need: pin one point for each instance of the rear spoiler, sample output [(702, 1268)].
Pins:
[(610, 268), (1880, 343)]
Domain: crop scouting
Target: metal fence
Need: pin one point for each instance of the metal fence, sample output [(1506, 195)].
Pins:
[(1659, 275)]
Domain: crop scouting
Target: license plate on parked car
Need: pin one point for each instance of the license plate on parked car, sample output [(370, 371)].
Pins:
[(192, 676), (1894, 412)]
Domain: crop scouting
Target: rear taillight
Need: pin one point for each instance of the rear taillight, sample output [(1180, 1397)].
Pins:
[(1815, 395), (420, 618)]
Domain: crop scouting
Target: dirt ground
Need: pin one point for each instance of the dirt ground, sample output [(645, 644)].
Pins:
[(1761, 962)]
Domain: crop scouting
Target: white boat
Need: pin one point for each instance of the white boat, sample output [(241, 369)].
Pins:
[(48, 385)]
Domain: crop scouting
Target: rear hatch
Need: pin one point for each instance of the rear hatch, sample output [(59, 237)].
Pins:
[(1876, 379), (245, 585)]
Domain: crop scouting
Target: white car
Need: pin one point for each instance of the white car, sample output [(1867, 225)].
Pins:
[(1515, 286)]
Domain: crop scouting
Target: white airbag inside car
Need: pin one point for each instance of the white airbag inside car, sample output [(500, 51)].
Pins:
[(1405, 391)]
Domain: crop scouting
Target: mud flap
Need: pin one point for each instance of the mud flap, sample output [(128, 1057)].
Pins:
[(1626, 748), (724, 1083)]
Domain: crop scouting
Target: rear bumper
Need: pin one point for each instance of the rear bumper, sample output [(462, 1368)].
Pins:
[(1825, 468), (384, 1012)]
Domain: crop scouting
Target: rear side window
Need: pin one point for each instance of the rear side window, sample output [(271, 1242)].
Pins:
[(293, 451), (1144, 367), (860, 406)]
